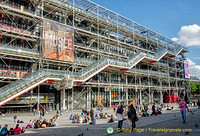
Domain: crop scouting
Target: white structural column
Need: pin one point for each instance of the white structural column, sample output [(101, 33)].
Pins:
[(161, 97), (126, 96), (140, 97), (136, 95), (68, 106), (89, 99), (62, 96), (110, 96), (72, 99), (150, 100)]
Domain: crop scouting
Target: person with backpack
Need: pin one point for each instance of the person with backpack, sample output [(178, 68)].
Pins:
[(4, 130), (120, 116)]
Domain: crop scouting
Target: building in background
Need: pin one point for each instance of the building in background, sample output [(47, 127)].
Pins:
[(72, 54)]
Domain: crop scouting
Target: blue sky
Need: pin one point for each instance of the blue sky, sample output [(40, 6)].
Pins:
[(177, 19)]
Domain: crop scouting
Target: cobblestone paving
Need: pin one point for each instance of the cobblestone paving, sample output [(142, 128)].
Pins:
[(168, 120)]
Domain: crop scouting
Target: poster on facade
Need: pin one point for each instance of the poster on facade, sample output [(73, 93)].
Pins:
[(186, 68), (57, 41)]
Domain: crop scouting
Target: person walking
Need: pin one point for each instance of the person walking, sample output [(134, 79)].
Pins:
[(198, 103), (183, 106), (120, 116), (132, 116), (91, 115), (15, 118), (34, 111)]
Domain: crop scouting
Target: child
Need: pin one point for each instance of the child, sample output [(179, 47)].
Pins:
[(15, 118)]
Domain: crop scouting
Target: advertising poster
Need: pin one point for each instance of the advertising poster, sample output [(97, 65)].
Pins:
[(57, 41), (186, 68)]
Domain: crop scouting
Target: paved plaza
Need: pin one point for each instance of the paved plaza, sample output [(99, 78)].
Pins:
[(168, 121)]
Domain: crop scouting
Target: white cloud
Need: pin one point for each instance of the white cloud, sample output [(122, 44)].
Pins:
[(175, 39), (189, 35), (194, 69)]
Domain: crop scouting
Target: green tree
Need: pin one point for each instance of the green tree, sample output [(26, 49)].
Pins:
[(193, 87), (198, 88)]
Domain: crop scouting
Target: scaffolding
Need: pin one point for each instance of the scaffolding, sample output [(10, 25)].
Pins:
[(114, 59)]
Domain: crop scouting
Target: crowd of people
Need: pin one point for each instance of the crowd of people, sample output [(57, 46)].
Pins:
[(88, 116), (132, 112), (41, 123), (13, 131)]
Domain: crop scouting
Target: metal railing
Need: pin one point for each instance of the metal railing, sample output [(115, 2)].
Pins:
[(33, 78)]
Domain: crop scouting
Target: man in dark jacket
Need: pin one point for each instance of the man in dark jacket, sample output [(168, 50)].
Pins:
[(132, 116), (198, 103)]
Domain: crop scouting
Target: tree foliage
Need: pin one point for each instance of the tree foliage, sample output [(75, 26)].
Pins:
[(195, 87)]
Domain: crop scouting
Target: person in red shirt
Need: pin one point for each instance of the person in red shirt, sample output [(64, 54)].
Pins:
[(17, 130)]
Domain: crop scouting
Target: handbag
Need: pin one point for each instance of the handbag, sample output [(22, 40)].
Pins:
[(136, 118)]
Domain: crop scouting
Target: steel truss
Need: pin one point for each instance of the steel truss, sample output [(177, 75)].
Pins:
[(98, 33)]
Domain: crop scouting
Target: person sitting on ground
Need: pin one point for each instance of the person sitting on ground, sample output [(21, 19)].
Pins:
[(11, 132), (57, 116), (85, 120), (55, 123), (111, 119), (71, 117), (78, 118), (22, 130), (141, 110), (30, 124), (81, 119), (96, 116), (153, 110), (4, 130), (105, 116), (18, 121), (93, 122), (85, 112), (161, 107), (46, 123), (50, 123), (74, 119), (145, 111), (37, 124), (17, 130), (101, 115)]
